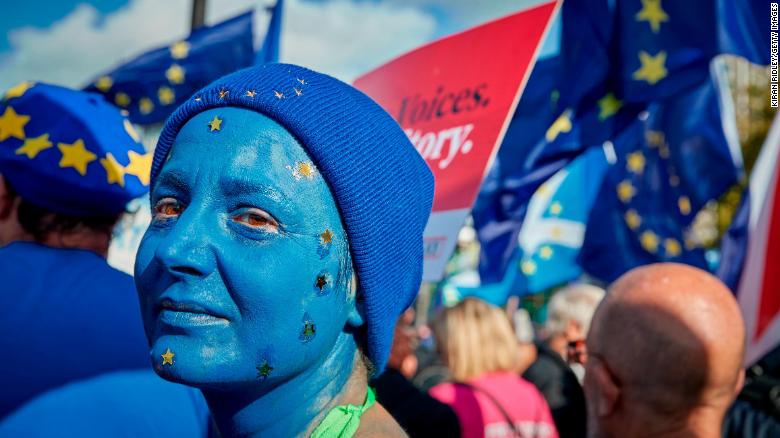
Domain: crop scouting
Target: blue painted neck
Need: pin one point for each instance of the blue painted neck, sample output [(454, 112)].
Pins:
[(293, 407)]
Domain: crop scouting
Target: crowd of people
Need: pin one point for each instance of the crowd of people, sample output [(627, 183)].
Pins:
[(276, 284)]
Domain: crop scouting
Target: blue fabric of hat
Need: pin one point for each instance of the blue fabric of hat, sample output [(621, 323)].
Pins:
[(382, 186), (69, 151)]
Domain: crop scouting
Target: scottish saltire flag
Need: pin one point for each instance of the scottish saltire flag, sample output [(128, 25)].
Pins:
[(152, 85), (554, 226), (269, 51)]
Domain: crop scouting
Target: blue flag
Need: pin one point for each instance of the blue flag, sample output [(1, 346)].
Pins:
[(744, 29), (269, 52), (152, 85), (733, 245)]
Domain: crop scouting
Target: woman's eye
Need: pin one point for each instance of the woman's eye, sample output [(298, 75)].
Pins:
[(167, 208), (257, 219)]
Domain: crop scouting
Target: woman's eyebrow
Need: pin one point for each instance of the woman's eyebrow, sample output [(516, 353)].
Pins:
[(172, 178), (237, 186)]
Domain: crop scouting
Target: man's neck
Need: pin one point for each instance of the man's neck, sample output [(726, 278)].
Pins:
[(705, 422), (295, 407)]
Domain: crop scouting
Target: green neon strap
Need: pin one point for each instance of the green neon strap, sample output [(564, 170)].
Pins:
[(343, 421)]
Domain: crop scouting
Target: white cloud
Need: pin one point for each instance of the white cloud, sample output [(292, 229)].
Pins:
[(341, 38)]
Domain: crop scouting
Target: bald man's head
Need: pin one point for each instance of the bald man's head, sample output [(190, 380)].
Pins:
[(670, 339)]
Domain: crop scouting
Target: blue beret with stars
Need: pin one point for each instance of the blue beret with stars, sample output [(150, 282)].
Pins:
[(69, 151)]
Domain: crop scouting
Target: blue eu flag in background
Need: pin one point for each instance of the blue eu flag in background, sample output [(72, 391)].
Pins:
[(152, 85)]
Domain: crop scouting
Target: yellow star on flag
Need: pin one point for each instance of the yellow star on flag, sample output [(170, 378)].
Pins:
[(653, 13), (175, 74), (528, 267), (180, 50), (167, 357), (635, 162), (672, 247), (130, 130), (654, 138), (33, 146), (115, 173), (684, 203), (545, 252), (145, 105), (649, 241), (140, 165), (165, 95), (122, 99), (625, 191), (75, 155), (104, 83), (215, 124), (19, 89), (633, 220), (556, 208), (556, 232), (12, 124), (652, 69), (608, 106), (560, 125)]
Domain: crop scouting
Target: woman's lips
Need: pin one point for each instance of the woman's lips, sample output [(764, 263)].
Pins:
[(187, 313)]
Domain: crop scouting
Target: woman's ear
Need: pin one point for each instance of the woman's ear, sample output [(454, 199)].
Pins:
[(357, 315)]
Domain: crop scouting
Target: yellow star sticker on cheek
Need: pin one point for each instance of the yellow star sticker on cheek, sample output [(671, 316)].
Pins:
[(12, 124), (635, 162), (115, 173), (215, 124), (180, 50), (175, 74), (140, 166), (167, 357), (19, 89), (104, 83), (560, 125), (653, 13), (33, 146), (75, 155), (652, 69), (608, 106)]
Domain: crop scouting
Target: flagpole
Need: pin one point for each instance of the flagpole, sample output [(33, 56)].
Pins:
[(198, 14)]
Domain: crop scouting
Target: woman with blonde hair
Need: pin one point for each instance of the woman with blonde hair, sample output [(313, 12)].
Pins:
[(478, 345)]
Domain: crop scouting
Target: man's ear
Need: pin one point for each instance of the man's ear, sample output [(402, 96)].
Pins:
[(740, 382), (607, 387)]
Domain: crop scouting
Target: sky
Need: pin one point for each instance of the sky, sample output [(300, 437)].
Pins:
[(70, 42)]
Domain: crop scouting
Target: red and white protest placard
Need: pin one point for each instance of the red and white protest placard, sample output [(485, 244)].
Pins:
[(454, 98)]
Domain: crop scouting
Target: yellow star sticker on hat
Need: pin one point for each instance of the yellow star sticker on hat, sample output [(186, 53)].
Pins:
[(12, 124), (250, 93), (684, 203), (545, 252), (278, 94), (175, 74), (672, 247), (75, 155), (165, 95), (649, 241), (556, 208), (130, 130), (608, 106), (19, 89), (140, 166), (115, 173), (215, 124), (298, 92), (167, 357), (635, 162), (560, 125), (180, 50), (626, 191), (33, 146), (652, 69), (653, 13), (145, 105), (104, 83), (633, 220), (122, 99), (528, 267)]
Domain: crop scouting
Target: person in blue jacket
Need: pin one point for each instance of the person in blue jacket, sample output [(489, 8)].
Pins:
[(69, 163)]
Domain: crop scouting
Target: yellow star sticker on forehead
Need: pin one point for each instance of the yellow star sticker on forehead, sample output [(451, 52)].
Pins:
[(130, 130), (115, 173), (626, 191), (633, 220), (215, 124), (652, 69), (167, 357), (560, 125), (180, 50), (653, 13), (608, 106), (145, 105), (12, 124), (649, 241), (175, 74), (122, 99), (104, 83), (672, 247), (165, 95), (19, 89), (635, 162), (140, 166), (33, 146), (75, 155)]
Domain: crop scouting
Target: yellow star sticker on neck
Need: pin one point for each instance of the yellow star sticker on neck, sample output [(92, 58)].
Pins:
[(560, 125), (140, 165), (12, 124), (167, 357), (215, 124), (104, 83), (653, 13), (19, 89), (649, 241), (635, 162), (180, 50), (33, 146), (608, 106), (165, 95), (75, 155), (652, 69), (115, 172), (175, 74)]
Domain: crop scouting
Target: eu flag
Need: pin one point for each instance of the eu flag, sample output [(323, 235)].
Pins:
[(152, 85)]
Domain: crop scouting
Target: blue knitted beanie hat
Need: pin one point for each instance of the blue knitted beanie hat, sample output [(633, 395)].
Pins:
[(382, 186)]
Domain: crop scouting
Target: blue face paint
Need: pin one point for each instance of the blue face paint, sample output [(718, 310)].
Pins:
[(226, 268)]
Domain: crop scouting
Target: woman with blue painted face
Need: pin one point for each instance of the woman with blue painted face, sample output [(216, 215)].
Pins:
[(286, 239)]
